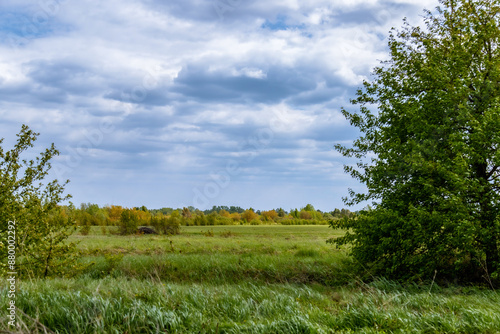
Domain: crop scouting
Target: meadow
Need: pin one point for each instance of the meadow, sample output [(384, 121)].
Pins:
[(238, 279)]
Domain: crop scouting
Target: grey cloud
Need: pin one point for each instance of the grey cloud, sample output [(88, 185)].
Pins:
[(279, 83), (141, 96), (33, 94), (69, 76)]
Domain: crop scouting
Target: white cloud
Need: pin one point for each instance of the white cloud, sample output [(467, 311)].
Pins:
[(184, 89)]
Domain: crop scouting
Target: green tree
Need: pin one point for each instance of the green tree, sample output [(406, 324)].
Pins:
[(173, 223), (129, 221), (166, 225), (26, 198), (434, 168), (281, 212)]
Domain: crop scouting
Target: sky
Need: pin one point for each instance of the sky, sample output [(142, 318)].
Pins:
[(193, 102)]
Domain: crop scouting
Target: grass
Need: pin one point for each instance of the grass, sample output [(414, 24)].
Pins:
[(243, 279), (118, 305), (265, 254)]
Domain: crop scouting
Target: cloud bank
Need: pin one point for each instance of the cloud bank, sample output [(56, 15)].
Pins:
[(192, 102)]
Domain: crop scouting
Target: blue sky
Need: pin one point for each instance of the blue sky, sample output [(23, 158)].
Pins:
[(193, 102)]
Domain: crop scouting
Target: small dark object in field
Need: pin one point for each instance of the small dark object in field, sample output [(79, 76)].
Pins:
[(147, 230)]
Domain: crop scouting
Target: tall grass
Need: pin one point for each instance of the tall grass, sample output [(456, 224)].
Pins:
[(118, 305), (243, 279)]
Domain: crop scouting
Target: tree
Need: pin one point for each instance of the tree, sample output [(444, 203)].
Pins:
[(129, 221), (434, 168), (249, 215), (281, 212), (269, 215), (235, 216), (186, 213), (114, 214), (166, 225), (26, 198)]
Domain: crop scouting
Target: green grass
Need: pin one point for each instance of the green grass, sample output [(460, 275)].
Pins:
[(118, 305), (243, 279), (266, 254)]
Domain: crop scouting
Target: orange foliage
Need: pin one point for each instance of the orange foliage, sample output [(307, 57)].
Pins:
[(269, 215)]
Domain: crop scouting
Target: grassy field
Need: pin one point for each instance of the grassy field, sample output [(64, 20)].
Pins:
[(239, 279)]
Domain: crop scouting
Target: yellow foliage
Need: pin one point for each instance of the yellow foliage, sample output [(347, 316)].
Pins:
[(224, 213), (269, 215), (249, 215)]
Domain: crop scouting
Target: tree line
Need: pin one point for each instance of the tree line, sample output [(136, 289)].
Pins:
[(169, 220)]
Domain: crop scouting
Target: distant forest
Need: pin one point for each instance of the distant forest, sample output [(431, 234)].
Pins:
[(169, 220)]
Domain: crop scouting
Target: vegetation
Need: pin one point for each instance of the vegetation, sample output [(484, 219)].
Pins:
[(41, 226), (435, 178), (169, 220), (244, 279)]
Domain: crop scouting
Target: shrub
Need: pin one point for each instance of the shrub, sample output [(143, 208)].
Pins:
[(129, 221)]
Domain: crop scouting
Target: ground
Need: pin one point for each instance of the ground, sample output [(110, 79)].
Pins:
[(239, 279)]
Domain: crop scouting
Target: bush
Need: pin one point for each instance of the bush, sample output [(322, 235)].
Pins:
[(129, 222), (167, 225), (26, 198)]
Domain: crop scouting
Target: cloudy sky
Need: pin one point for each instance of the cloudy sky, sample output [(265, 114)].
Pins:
[(193, 102)]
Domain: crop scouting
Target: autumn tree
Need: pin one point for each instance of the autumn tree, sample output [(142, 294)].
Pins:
[(224, 213), (269, 215), (430, 153), (249, 215), (114, 214), (186, 213)]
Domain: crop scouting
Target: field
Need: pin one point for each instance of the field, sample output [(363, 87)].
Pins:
[(239, 279)]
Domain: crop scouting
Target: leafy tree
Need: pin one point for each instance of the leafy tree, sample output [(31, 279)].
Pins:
[(235, 216), (200, 219), (294, 213), (305, 214), (42, 226), (114, 214), (186, 213), (281, 212), (236, 209), (309, 207), (224, 213), (129, 221), (269, 215), (434, 168), (166, 225), (336, 213), (212, 218), (249, 215), (173, 223), (327, 216)]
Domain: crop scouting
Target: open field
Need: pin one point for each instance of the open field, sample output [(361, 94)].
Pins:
[(240, 279)]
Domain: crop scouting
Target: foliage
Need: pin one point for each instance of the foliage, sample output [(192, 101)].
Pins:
[(249, 215), (233, 285), (173, 224), (209, 233), (434, 172), (89, 215), (167, 225), (41, 226), (114, 214), (186, 213), (129, 221), (271, 215)]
